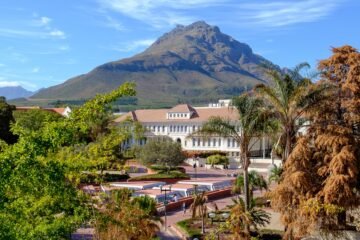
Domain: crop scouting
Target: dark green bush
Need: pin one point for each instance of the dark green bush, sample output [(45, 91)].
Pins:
[(91, 178)]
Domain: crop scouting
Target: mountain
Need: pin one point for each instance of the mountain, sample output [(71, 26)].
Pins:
[(14, 92), (194, 63)]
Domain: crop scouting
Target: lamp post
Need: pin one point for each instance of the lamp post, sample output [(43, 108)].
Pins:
[(165, 202)]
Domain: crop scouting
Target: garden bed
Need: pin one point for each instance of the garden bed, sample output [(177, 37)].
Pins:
[(191, 229)]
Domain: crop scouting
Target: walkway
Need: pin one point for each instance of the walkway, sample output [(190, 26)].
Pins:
[(176, 216)]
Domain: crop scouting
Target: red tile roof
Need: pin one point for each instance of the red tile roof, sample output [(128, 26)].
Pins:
[(159, 115)]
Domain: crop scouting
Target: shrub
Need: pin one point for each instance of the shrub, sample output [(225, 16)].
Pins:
[(217, 160), (192, 232), (172, 174), (91, 178), (164, 169)]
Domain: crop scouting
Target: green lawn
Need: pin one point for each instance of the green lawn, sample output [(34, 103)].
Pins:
[(163, 175)]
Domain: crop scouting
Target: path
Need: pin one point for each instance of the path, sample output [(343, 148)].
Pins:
[(176, 216)]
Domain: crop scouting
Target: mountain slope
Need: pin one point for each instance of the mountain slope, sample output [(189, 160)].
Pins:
[(14, 92), (192, 63)]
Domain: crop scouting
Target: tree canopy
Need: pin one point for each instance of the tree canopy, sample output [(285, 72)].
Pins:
[(38, 197), (161, 151), (6, 118), (321, 177)]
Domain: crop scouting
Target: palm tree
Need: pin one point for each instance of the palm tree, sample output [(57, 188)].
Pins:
[(256, 181), (199, 208), (241, 219), (290, 96), (254, 122), (275, 174)]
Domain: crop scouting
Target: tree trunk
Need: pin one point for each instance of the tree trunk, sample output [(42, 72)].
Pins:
[(287, 146), (246, 162), (203, 224), (246, 189)]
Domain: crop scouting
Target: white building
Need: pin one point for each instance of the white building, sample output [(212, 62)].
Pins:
[(182, 120)]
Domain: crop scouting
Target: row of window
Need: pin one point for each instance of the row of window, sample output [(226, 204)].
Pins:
[(213, 142), (178, 115), (173, 128)]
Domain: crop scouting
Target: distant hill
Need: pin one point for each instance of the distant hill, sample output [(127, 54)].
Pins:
[(14, 92), (194, 64)]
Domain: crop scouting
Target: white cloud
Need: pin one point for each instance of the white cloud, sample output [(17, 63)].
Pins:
[(36, 27), (282, 13), (131, 46), (9, 83), (35, 70), (158, 13), (278, 13), (112, 23), (24, 84), (45, 20), (64, 48), (57, 33)]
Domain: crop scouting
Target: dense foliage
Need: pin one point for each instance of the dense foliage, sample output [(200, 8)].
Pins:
[(6, 118), (35, 119), (321, 178), (217, 160), (39, 174), (161, 151), (126, 219)]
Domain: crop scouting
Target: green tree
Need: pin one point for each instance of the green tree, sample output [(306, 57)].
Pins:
[(217, 159), (161, 151), (106, 149), (253, 123), (35, 119), (38, 197), (6, 118), (199, 208), (290, 96), (275, 174), (256, 181)]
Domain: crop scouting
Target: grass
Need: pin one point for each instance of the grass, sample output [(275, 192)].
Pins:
[(186, 226), (268, 234), (164, 175)]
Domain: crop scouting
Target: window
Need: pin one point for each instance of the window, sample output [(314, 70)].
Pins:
[(219, 142), (185, 128), (203, 142), (158, 128), (181, 115), (193, 142), (182, 128), (193, 128), (228, 142), (163, 128), (233, 143), (178, 128), (198, 142), (185, 143), (170, 128), (209, 142), (214, 142)]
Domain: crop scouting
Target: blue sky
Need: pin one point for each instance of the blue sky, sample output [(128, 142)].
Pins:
[(43, 43)]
